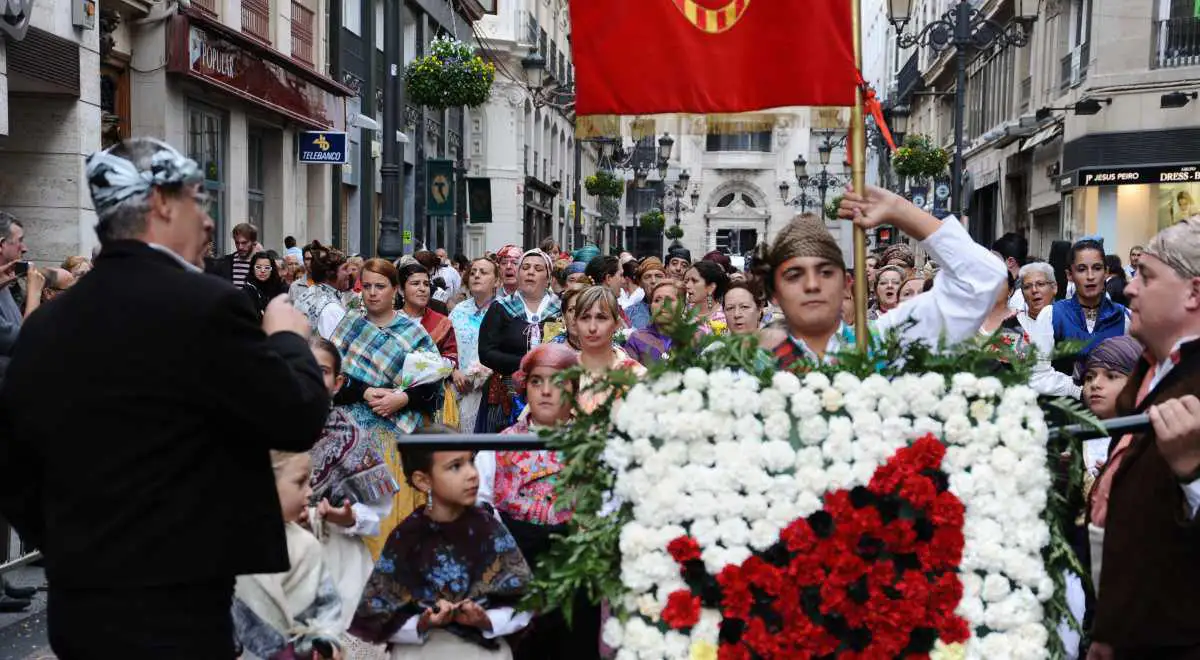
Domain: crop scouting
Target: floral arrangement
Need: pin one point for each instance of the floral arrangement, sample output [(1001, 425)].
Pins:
[(653, 220), (674, 232), (920, 158), (604, 184), (895, 504), (451, 75)]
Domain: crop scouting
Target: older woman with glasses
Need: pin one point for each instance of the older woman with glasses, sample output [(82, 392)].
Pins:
[(1039, 288)]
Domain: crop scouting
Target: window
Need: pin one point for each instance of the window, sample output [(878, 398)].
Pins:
[(255, 183), (728, 199), (1178, 34), (302, 33), (256, 19), (352, 19), (756, 141), (206, 146)]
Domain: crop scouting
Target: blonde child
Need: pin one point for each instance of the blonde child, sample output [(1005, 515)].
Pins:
[(297, 613)]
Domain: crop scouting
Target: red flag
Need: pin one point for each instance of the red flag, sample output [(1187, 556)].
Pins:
[(710, 56)]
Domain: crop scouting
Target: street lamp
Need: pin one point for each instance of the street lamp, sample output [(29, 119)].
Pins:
[(819, 183), (965, 29), (900, 115)]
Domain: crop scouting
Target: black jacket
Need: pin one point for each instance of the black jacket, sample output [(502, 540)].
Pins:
[(135, 423)]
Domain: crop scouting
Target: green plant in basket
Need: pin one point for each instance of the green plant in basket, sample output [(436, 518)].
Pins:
[(831, 209), (920, 158), (674, 232), (653, 220), (604, 184), (451, 75)]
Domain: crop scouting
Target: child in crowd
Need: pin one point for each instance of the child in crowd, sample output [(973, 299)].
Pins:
[(296, 614), (353, 488), (449, 576)]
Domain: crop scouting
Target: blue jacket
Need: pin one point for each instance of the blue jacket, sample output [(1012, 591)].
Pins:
[(1070, 324)]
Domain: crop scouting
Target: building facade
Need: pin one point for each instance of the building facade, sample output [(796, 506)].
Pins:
[(525, 163), (1064, 138), (50, 97)]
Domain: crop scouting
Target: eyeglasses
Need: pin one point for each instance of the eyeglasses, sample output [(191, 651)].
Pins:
[(1030, 286), (262, 269)]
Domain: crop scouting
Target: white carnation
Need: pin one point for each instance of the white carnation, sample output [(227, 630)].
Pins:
[(702, 453), (990, 387), (964, 384), (675, 644), (995, 588), (845, 382), (981, 410), (613, 633), (704, 530), (840, 475), (816, 380), (763, 534), (831, 400), (778, 426), (778, 456), (668, 382), (695, 378), (806, 403), (691, 401), (734, 531), (773, 401)]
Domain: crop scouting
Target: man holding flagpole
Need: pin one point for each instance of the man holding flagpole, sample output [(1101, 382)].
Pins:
[(804, 271)]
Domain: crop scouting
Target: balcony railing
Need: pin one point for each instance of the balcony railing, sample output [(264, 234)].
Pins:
[(302, 33), (1177, 42), (1074, 67), (256, 19), (207, 6)]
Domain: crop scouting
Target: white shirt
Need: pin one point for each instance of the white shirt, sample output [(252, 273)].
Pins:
[(1044, 378), (626, 299), (329, 319), (961, 297), (1016, 302), (485, 464), (505, 621), (451, 277)]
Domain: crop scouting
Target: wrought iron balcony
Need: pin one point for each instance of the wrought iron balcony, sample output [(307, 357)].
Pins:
[(1177, 42)]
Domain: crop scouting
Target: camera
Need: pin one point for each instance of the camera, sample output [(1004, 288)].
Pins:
[(21, 269)]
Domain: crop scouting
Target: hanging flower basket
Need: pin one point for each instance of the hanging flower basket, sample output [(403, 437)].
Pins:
[(920, 158), (604, 184), (451, 75), (674, 232), (653, 220)]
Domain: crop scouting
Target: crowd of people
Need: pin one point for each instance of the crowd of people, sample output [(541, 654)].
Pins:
[(312, 366)]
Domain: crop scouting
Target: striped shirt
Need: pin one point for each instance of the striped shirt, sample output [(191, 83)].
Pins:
[(241, 270)]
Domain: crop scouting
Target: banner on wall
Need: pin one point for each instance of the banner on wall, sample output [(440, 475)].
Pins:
[(1177, 201)]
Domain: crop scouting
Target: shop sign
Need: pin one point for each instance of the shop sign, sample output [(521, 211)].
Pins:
[(1128, 176), (327, 147), (204, 54), (439, 187), (941, 198)]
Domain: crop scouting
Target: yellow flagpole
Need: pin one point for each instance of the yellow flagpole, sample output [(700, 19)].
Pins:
[(858, 146)]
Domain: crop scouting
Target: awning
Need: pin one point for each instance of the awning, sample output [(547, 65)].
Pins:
[(1045, 135)]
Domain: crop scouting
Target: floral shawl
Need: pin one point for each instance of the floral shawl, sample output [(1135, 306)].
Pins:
[(474, 557), (526, 482), (347, 466), (315, 299), (398, 356), (441, 330)]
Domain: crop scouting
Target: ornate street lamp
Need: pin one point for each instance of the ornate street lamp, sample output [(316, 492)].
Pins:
[(900, 115), (666, 145), (966, 30)]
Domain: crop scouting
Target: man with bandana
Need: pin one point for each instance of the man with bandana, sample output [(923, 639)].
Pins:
[(147, 483), (805, 274)]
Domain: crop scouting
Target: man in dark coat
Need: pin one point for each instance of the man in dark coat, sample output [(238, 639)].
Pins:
[(136, 421), (1149, 592)]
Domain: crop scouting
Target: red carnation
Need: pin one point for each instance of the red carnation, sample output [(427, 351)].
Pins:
[(926, 452), (682, 610), (684, 549), (733, 652), (947, 509)]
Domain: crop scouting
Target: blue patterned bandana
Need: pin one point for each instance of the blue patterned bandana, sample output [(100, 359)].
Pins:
[(114, 179)]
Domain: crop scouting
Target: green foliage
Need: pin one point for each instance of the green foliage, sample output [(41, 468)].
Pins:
[(674, 232), (451, 75), (604, 184), (920, 158), (610, 209), (831, 209), (653, 220)]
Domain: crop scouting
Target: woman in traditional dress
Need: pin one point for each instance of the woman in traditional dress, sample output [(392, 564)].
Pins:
[(322, 302), (523, 487), (483, 277), (394, 374), (705, 283), (568, 336), (511, 327), (416, 291), (597, 320), (651, 344), (450, 577)]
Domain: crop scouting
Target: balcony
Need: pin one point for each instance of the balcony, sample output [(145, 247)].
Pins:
[(1074, 66), (302, 33), (256, 19), (1177, 42), (207, 6)]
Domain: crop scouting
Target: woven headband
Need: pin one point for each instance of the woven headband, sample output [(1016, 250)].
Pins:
[(114, 179)]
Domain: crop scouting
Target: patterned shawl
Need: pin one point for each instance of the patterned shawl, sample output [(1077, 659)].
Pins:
[(347, 466), (515, 306), (526, 482), (315, 300), (474, 557), (398, 356)]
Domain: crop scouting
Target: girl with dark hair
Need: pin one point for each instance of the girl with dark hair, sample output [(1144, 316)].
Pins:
[(1059, 251), (705, 283), (1114, 283), (264, 282)]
